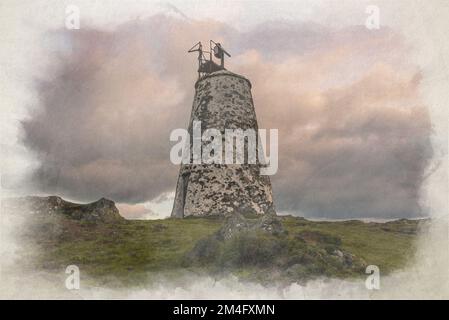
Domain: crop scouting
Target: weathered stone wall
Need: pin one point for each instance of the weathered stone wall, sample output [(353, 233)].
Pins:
[(222, 101)]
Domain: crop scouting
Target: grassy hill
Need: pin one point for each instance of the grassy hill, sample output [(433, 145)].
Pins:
[(121, 252)]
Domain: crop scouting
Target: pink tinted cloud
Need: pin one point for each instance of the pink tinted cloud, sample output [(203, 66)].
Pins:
[(354, 135)]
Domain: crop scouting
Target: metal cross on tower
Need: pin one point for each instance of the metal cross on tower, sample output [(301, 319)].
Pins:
[(207, 66)]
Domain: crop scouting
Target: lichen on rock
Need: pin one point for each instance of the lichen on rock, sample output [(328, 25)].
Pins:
[(102, 210)]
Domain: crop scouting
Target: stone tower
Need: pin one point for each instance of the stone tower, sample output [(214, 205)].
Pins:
[(222, 101)]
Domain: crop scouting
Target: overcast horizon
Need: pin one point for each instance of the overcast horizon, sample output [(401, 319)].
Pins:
[(355, 133)]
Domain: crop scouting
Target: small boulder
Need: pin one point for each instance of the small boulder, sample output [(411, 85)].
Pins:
[(237, 223)]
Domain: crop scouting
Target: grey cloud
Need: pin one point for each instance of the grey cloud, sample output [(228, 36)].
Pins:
[(354, 136)]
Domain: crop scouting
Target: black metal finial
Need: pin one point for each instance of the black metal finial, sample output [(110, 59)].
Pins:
[(206, 66)]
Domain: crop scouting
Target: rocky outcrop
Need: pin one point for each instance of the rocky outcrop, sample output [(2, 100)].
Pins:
[(237, 224), (103, 210), (263, 247), (222, 101)]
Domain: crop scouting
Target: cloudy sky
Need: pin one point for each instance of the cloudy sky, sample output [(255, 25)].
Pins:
[(97, 105)]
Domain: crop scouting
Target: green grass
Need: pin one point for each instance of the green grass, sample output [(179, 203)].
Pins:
[(389, 250), (134, 252)]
